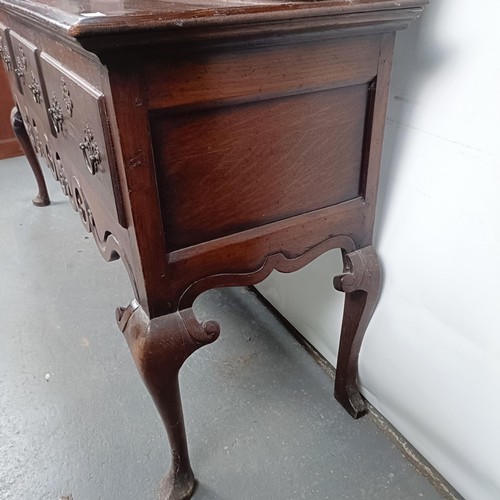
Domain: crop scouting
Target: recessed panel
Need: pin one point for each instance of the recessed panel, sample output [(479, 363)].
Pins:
[(231, 168)]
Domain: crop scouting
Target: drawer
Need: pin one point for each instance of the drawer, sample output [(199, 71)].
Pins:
[(6, 55), (40, 136), (70, 184), (79, 124), (33, 127), (28, 75), (31, 97)]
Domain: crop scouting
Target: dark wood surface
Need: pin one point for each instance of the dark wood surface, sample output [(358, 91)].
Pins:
[(207, 144), (269, 160), (78, 18)]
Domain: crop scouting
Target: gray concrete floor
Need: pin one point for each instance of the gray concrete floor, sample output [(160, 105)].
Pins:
[(76, 420)]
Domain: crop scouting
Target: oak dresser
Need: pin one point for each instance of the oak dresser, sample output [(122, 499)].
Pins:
[(207, 143)]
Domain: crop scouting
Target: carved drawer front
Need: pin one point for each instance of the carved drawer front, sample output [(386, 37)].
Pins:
[(9, 61), (7, 57), (38, 129), (29, 81), (79, 123), (19, 59)]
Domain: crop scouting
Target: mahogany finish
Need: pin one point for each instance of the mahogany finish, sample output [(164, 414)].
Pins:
[(207, 144)]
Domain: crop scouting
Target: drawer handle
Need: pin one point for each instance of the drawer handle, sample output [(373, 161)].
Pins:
[(8, 62), (35, 139), (91, 151), (21, 63), (5, 55), (35, 88), (66, 97), (55, 112), (51, 163)]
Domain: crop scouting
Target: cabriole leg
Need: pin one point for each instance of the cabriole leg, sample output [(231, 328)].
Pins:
[(361, 284), (42, 198), (159, 348)]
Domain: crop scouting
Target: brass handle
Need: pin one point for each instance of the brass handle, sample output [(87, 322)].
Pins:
[(21, 63), (35, 89), (7, 60), (56, 114), (90, 151), (5, 55)]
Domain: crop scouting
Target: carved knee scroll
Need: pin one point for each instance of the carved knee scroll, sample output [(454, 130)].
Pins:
[(159, 348), (361, 283)]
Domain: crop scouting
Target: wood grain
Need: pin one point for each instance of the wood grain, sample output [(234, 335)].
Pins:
[(236, 75), (219, 141), (252, 164)]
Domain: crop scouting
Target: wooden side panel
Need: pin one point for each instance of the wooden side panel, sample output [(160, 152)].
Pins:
[(260, 72), (233, 168)]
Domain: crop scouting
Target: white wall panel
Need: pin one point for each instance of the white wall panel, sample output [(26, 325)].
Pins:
[(430, 361)]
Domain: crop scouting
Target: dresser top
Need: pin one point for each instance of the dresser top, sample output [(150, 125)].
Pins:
[(76, 18)]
